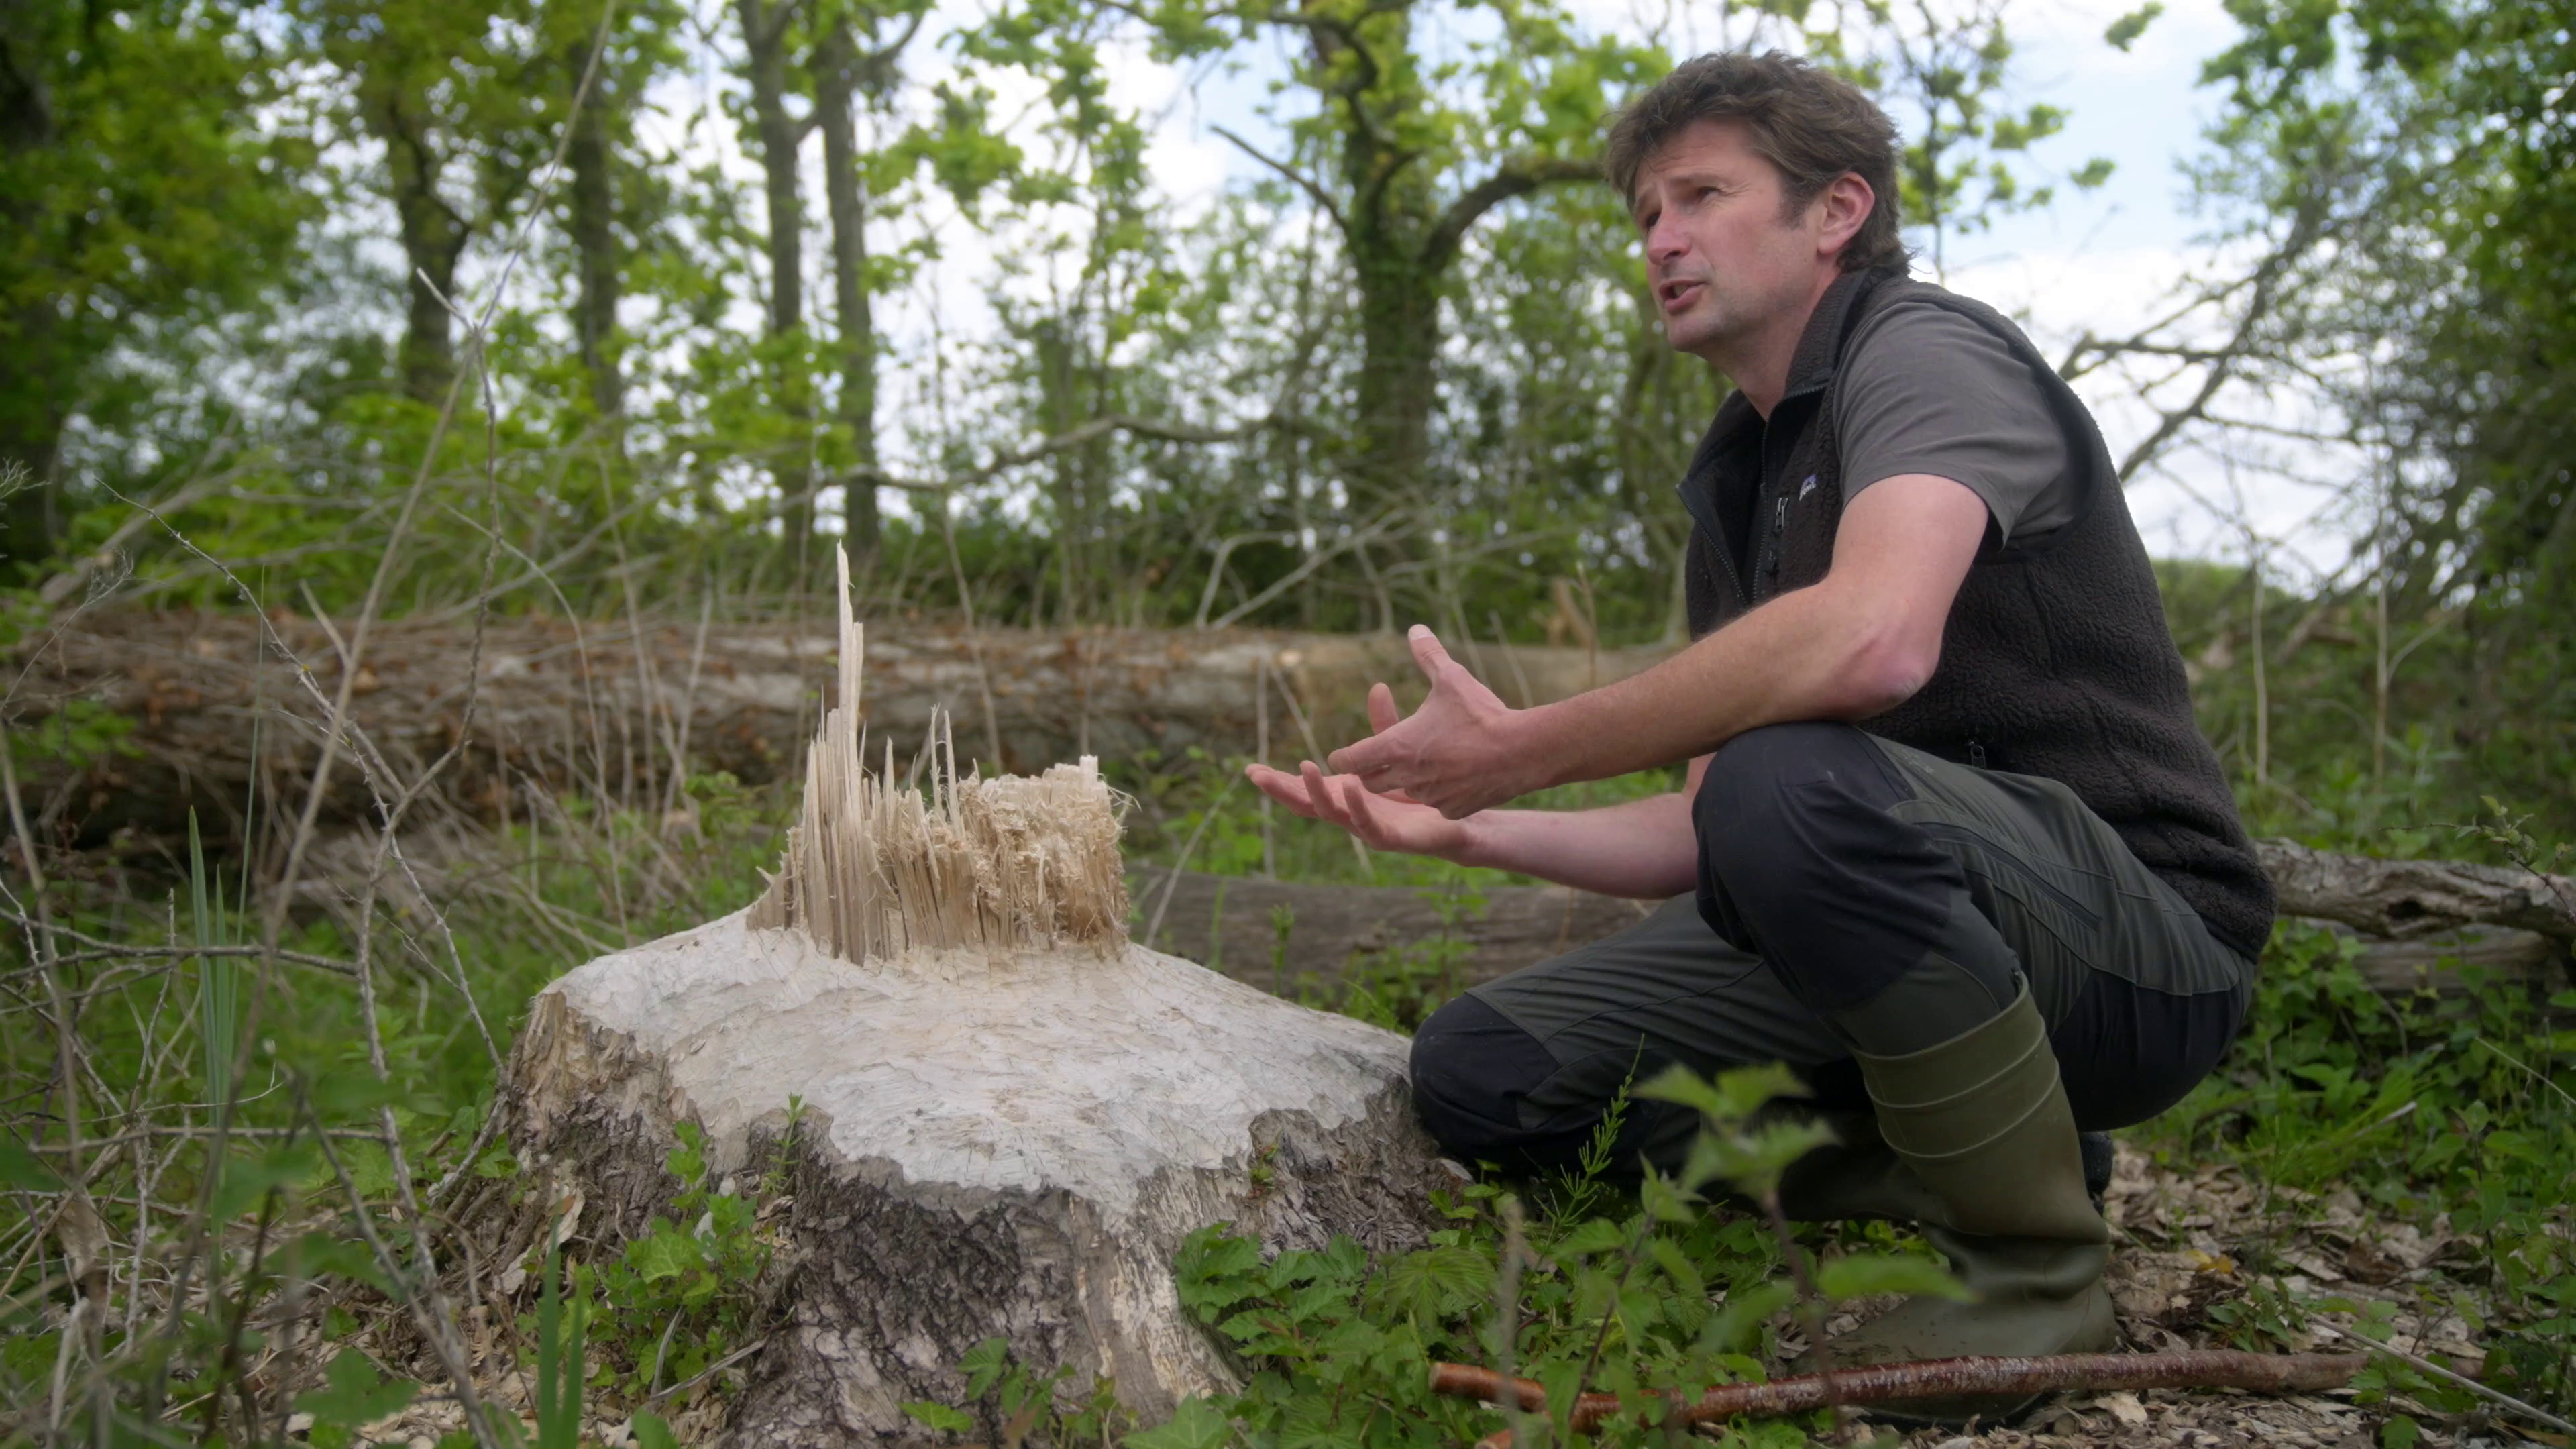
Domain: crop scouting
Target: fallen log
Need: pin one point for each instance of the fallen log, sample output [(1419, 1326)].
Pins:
[(1235, 924), (2267, 1373), (1006, 1115), (209, 701), (2401, 899), (605, 710), (1285, 936)]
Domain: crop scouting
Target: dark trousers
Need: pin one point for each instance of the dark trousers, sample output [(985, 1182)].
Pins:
[(1833, 866)]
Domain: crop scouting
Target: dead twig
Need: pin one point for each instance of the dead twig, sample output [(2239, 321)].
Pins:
[(1939, 1378)]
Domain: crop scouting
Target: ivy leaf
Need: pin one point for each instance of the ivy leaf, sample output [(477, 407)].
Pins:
[(1746, 1308), (984, 1365), (1214, 1271), (1596, 1236), (665, 1254), (1678, 1267)]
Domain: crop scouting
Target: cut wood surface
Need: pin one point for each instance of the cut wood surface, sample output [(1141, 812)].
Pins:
[(603, 709)]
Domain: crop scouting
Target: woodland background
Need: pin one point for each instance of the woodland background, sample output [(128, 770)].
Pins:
[(449, 317)]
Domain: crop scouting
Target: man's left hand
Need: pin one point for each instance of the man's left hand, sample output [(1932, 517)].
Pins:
[(1463, 751)]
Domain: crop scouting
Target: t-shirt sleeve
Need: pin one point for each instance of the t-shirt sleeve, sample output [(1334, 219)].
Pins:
[(1926, 390)]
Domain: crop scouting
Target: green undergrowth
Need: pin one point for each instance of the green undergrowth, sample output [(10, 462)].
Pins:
[(2450, 1111), (1583, 1286)]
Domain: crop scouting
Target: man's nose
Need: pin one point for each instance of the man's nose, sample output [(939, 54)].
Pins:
[(1665, 239)]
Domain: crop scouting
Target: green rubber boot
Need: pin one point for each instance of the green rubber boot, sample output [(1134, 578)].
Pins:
[(1983, 1125)]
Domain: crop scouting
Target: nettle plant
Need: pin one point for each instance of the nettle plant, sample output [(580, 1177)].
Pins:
[(684, 1297), (1686, 1282)]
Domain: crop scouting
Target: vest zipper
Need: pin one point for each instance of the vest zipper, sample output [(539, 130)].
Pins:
[(1976, 754)]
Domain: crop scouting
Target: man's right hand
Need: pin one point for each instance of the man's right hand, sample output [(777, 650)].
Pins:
[(1393, 821)]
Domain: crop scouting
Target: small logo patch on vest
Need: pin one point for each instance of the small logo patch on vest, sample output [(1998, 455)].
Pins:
[(1807, 487)]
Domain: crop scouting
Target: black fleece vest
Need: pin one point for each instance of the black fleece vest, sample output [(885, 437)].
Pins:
[(2056, 659)]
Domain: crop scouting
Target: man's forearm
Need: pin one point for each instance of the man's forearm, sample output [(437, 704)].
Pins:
[(1642, 848), (1804, 656), (1849, 647)]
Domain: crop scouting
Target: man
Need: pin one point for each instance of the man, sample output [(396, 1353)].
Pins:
[(1947, 807)]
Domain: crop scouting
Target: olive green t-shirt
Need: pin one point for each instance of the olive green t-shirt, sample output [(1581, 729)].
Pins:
[(1925, 390)]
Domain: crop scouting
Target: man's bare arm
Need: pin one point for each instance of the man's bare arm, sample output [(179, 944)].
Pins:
[(1857, 643), (1639, 848)]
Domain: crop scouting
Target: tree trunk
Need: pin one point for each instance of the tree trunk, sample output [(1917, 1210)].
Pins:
[(1400, 342), (31, 433), (433, 237), (186, 690), (592, 197), (1055, 352), (1402, 239), (1387, 210), (32, 385), (764, 33), (835, 92), (1289, 937)]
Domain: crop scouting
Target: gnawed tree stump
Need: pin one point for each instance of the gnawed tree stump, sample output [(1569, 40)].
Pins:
[(987, 1148), (1010, 1115)]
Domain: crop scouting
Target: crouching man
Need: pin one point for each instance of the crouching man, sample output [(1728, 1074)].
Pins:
[(1951, 844)]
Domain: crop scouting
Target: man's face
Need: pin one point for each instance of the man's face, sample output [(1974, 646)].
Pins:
[(1722, 262)]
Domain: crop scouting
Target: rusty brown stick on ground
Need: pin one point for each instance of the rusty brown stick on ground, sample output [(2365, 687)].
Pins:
[(1941, 1378)]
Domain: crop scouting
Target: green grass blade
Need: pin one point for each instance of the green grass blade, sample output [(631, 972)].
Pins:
[(218, 977)]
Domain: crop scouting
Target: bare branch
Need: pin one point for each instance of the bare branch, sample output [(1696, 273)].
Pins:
[(1087, 432), (1941, 1378), (1295, 177), (1516, 177)]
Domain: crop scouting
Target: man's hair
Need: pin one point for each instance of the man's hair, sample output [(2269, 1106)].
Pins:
[(1812, 127)]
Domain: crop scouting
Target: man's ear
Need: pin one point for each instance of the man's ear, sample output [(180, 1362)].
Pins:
[(1841, 209)]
